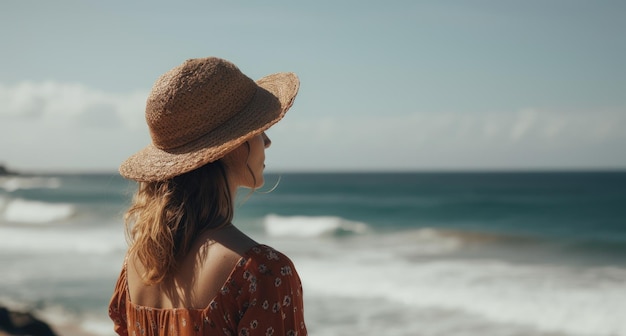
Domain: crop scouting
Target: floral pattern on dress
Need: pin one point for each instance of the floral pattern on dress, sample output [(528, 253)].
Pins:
[(263, 296)]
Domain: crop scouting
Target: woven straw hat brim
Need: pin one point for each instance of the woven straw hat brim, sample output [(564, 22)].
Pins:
[(274, 96)]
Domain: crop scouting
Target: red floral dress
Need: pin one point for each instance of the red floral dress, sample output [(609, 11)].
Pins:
[(262, 296)]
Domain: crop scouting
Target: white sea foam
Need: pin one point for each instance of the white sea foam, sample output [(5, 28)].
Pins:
[(96, 325), (13, 183), (420, 242), (547, 298), (55, 240), (34, 212), (303, 226), (73, 322)]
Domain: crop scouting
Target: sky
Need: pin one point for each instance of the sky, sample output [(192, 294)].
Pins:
[(385, 85)]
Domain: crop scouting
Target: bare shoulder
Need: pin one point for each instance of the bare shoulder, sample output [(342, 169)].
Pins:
[(229, 241), (216, 258)]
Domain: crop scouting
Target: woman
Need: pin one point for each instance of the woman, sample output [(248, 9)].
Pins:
[(188, 270)]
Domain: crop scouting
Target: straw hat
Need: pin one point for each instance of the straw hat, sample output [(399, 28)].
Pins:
[(203, 109)]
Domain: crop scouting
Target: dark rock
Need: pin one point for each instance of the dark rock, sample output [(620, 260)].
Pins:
[(5, 171), (23, 324)]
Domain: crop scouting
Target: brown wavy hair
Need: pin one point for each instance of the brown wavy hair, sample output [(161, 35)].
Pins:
[(166, 216)]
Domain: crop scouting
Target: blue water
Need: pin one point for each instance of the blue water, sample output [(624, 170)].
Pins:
[(410, 253), (574, 210)]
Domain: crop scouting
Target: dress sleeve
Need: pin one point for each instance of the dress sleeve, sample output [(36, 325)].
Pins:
[(274, 304), (117, 306)]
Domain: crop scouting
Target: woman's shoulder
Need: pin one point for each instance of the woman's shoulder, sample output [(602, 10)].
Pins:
[(233, 247), (265, 261), (230, 239), (263, 252)]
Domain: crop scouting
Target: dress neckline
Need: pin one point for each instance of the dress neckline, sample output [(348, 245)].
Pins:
[(236, 267)]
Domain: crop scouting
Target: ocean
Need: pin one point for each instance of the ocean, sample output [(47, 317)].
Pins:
[(432, 254)]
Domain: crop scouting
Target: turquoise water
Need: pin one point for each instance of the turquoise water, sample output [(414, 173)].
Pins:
[(379, 254), (579, 213), (550, 205)]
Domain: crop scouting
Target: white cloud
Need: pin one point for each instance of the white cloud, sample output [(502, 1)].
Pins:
[(523, 123), (68, 103), (52, 126), (421, 129), (528, 138)]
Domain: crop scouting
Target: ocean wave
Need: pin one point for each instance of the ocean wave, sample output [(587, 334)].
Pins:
[(423, 242), (14, 183), (73, 322), (97, 241), (303, 226), (34, 212), (550, 298)]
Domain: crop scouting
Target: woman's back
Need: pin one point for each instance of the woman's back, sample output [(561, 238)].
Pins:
[(258, 293), (200, 275)]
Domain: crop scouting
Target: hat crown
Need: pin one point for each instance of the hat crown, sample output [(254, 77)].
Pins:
[(203, 109), (195, 98)]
